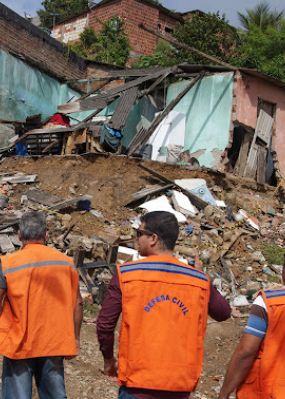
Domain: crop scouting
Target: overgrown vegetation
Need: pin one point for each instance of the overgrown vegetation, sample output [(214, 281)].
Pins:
[(273, 254), (90, 309), (260, 45), (110, 45)]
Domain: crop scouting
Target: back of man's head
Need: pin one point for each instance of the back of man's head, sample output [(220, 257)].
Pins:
[(164, 224), (32, 227)]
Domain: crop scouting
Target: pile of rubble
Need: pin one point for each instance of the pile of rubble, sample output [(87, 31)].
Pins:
[(232, 241)]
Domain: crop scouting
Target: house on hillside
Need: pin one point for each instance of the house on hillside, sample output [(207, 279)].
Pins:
[(227, 119), (37, 73), (133, 12)]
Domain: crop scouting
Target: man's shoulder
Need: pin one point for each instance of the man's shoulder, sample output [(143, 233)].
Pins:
[(164, 263)]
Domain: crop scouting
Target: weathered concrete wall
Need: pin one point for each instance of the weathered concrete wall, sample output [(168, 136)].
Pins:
[(248, 90), (207, 108)]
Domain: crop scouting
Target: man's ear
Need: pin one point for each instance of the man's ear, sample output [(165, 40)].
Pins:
[(154, 240), (46, 236)]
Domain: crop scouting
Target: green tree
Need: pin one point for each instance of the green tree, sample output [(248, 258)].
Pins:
[(110, 45), (164, 55), (261, 16), (209, 33), (55, 11), (264, 50)]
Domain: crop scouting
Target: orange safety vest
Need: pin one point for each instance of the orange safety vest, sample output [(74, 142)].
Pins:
[(164, 317), (266, 379), (38, 314)]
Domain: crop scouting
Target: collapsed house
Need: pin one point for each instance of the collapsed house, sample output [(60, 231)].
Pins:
[(188, 114), (218, 117)]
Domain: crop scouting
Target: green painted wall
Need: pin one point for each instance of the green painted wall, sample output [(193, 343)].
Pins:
[(25, 91), (208, 107)]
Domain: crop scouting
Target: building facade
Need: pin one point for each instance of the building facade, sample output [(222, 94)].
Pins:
[(133, 13)]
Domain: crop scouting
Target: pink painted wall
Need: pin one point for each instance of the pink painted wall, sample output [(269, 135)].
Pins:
[(247, 90)]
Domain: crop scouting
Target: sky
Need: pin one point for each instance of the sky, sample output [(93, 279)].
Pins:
[(229, 7)]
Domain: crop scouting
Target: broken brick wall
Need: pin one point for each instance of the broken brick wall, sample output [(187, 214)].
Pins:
[(22, 39), (249, 91)]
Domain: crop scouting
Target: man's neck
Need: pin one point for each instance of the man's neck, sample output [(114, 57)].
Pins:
[(33, 242), (159, 252)]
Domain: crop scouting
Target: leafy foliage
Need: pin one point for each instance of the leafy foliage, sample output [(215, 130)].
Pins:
[(273, 253), (111, 45), (58, 10), (261, 47), (261, 16), (264, 51), (164, 55), (209, 33)]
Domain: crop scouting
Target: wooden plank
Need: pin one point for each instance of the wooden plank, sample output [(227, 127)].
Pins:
[(95, 102), (264, 126), (261, 164), (50, 146), (243, 153), (6, 244), (7, 230), (140, 195), (42, 197), (251, 164), (70, 202), (19, 179)]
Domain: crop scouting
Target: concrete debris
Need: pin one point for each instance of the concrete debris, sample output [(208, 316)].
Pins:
[(233, 238), (240, 300), (162, 204), (198, 187)]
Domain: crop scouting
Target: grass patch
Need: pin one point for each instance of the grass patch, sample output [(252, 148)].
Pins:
[(273, 253), (274, 279), (90, 309)]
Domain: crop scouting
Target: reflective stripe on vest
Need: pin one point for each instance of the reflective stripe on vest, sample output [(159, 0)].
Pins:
[(37, 264), (163, 267), (164, 316), (38, 315)]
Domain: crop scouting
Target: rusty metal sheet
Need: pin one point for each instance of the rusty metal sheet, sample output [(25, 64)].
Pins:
[(125, 105)]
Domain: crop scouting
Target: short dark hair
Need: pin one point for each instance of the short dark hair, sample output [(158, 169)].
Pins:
[(32, 226), (164, 224)]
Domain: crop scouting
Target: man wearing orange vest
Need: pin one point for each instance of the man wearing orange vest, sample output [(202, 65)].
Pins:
[(257, 367), (164, 304), (41, 314)]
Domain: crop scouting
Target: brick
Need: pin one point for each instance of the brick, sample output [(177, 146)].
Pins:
[(133, 12)]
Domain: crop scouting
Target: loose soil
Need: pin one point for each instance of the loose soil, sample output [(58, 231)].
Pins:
[(111, 181), (84, 377)]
